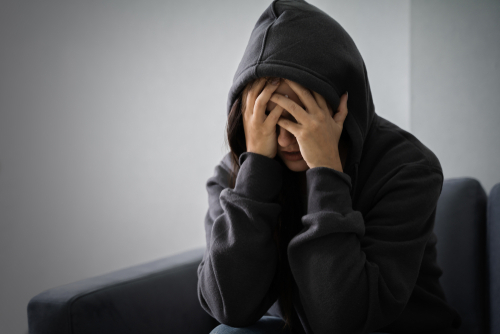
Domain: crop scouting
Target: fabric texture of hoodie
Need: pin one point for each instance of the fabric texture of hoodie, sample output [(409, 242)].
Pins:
[(364, 256)]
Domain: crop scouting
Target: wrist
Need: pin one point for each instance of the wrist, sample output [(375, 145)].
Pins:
[(336, 165)]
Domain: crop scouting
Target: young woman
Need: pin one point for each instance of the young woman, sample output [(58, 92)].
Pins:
[(339, 237)]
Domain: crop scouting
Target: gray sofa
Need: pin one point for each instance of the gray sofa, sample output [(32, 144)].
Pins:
[(161, 296)]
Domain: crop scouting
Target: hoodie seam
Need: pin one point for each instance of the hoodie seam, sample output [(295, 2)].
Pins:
[(273, 10), (264, 38)]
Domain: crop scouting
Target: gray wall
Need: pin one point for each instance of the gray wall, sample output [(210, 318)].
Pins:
[(455, 85), (112, 118)]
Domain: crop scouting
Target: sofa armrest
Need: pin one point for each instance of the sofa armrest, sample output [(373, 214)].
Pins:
[(154, 297), (493, 246)]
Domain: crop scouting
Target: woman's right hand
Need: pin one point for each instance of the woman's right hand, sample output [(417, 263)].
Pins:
[(260, 130)]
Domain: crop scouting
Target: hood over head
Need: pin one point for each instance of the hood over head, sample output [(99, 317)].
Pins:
[(295, 40)]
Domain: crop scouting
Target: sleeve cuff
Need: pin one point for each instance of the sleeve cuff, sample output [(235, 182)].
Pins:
[(259, 178), (328, 190)]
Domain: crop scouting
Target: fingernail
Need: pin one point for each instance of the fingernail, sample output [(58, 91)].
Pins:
[(347, 94), (275, 81)]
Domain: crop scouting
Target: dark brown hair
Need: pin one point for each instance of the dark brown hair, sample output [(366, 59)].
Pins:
[(288, 198)]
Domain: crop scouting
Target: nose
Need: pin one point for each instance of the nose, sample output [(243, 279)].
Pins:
[(285, 138)]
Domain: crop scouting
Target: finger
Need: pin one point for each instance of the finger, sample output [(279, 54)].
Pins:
[(274, 115), (288, 125), (341, 115), (263, 98), (304, 95), (254, 88), (293, 108), (320, 100)]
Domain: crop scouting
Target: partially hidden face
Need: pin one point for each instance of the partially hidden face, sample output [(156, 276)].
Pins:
[(287, 141)]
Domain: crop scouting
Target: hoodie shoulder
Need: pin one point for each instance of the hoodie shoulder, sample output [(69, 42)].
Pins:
[(226, 162), (388, 143), (221, 174)]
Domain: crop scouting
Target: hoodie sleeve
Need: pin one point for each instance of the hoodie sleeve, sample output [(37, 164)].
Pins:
[(237, 273), (356, 273)]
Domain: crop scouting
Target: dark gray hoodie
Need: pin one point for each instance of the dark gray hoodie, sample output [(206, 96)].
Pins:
[(363, 258)]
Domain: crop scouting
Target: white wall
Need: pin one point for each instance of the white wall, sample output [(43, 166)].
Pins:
[(112, 118)]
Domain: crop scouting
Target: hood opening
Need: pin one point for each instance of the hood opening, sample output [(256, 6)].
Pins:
[(295, 40)]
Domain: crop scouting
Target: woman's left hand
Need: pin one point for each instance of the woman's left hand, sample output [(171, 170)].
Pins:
[(317, 132)]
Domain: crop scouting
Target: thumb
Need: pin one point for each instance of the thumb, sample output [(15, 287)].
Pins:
[(340, 116)]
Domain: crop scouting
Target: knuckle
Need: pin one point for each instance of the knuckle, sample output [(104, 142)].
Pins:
[(252, 95), (315, 125), (244, 110), (254, 87), (259, 103)]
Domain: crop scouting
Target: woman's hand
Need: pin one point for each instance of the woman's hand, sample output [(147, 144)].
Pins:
[(317, 132), (260, 130)]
